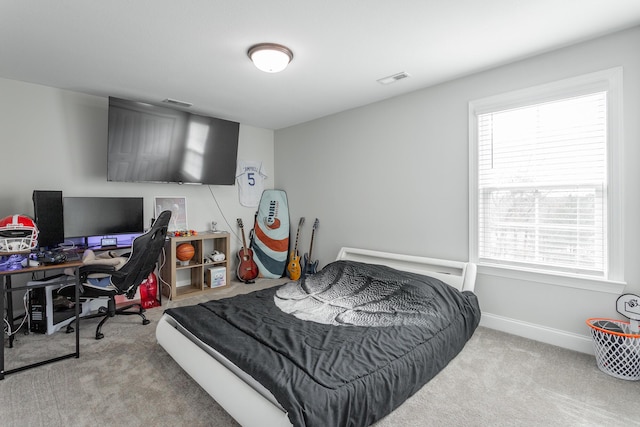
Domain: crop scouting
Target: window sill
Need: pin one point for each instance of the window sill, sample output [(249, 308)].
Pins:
[(559, 279)]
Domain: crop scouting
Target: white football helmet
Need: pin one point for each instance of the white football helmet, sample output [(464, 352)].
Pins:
[(18, 233)]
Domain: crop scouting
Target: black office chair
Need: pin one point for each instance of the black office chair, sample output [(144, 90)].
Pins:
[(145, 250)]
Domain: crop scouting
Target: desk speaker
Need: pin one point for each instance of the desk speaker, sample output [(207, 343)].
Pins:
[(49, 217)]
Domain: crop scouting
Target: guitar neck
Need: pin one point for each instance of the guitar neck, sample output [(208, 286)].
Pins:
[(311, 245), (313, 233), (295, 248), (244, 242)]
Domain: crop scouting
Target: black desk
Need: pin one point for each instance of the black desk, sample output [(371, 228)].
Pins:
[(7, 289)]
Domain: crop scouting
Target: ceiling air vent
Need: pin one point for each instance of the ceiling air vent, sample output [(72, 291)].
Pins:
[(394, 78), (177, 103)]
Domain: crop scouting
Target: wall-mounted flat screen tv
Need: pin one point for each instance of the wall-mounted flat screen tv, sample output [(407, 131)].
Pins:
[(151, 143)]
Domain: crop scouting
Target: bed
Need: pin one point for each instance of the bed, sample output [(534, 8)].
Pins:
[(345, 346)]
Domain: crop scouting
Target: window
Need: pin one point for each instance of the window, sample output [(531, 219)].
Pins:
[(545, 192)]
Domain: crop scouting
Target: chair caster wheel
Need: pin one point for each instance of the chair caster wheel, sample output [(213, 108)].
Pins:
[(146, 321), (99, 335), (69, 329), (102, 310)]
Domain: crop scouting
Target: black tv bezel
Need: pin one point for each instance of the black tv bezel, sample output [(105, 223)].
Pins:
[(226, 162)]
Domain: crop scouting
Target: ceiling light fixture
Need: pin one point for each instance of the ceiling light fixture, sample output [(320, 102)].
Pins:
[(270, 57)]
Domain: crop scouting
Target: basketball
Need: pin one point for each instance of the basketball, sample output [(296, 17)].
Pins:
[(185, 251)]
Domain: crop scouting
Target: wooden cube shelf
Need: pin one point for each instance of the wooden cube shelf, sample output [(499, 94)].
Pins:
[(204, 243)]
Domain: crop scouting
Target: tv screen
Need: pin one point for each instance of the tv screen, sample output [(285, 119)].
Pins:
[(102, 216), (150, 143)]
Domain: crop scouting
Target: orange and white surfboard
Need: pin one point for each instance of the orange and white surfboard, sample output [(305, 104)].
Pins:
[(271, 234)]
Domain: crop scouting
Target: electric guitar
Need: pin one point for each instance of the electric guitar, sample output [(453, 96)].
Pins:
[(293, 268), (247, 267), (311, 267)]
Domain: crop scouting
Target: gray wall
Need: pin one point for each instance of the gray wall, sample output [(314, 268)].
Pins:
[(53, 139), (393, 176)]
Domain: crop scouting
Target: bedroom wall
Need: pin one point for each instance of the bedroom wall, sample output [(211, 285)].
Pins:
[(393, 176), (54, 139)]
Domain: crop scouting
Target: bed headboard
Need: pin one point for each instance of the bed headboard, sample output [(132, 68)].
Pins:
[(460, 275)]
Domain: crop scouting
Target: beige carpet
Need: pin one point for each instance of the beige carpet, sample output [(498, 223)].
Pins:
[(127, 379)]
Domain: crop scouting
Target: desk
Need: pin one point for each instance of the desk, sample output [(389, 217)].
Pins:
[(7, 289)]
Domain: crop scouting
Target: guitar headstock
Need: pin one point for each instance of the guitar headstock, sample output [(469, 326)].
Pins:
[(240, 223), (316, 223)]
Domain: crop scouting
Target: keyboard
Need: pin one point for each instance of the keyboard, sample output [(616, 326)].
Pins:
[(73, 256)]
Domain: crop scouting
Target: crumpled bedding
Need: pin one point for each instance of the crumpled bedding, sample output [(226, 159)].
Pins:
[(363, 295), (343, 347)]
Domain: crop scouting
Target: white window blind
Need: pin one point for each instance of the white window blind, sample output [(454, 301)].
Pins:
[(542, 185)]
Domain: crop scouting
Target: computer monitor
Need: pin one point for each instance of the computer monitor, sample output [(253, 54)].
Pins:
[(102, 216)]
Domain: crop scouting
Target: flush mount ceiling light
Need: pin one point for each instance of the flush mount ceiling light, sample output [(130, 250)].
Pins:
[(270, 57)]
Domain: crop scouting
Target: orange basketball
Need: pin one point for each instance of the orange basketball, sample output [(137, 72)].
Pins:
[(185, 251)]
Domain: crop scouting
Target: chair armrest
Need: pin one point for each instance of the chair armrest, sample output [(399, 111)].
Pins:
[(96, 268)]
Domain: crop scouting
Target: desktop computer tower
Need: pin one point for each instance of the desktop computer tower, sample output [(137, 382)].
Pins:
[(49, 217), (45, 318), (38, 311)]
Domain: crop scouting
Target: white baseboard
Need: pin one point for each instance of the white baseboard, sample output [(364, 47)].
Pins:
[(557, 337)]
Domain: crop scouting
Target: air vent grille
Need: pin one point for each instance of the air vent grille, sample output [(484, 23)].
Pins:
[(393, 78), (177, 103)]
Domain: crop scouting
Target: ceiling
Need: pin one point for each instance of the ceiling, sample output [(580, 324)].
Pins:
[(195, 50)]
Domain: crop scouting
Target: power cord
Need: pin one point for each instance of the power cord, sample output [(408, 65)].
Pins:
[(67, 245), (159, 276), (231, 229), (7, 329)]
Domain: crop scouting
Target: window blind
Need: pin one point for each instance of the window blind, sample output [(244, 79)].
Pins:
[(542, 185)]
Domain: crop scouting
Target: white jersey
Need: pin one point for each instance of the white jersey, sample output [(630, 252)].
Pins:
[(250, 176)]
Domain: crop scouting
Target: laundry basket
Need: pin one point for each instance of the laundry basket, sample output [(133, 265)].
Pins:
[(617, 350)]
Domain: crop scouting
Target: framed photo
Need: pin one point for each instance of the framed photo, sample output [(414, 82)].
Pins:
[(178, 208)]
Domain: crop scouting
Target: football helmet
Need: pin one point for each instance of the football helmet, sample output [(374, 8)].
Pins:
[(18, 233)]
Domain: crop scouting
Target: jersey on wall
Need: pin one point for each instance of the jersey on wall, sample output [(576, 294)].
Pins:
[(250, 175), (270, 241)]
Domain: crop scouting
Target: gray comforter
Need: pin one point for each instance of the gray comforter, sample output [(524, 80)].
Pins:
[(343, 347)]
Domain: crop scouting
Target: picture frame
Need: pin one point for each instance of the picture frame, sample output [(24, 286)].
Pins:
[(178, 208)]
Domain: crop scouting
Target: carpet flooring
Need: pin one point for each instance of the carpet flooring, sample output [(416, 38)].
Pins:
[(127, 379)]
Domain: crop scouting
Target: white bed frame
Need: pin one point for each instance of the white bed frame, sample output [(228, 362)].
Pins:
[(248, 402)]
